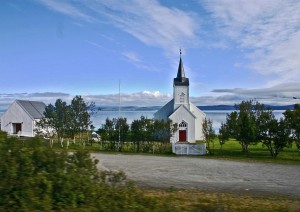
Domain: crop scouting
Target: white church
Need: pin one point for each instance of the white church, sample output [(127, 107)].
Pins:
[(181, 111)]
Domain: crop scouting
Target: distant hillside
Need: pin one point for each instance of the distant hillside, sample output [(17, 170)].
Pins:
[(209, 107), (232, 107), (217, 107), (128, 108)]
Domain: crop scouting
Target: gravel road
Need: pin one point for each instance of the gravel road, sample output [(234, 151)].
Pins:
[(205, 174)]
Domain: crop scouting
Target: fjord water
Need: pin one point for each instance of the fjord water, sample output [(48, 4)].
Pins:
[(217, 116)]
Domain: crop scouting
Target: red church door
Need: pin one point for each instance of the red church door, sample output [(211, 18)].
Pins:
[(182, 135)]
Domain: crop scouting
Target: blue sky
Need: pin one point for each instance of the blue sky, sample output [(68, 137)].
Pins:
[(232, 50)]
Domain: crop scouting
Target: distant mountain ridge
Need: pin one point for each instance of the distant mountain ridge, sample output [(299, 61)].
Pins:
[(209, 107), (232, 107), (155, 108)]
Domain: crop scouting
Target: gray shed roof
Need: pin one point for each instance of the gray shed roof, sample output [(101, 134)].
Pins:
[(34, 108)]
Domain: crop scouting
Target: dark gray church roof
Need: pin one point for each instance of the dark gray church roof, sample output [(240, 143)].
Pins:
[(181, 79), (34, 108)]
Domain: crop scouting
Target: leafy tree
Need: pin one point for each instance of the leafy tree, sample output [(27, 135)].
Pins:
[(282, 137), (209, 134), (162, 131), (138, 128), (66, 121), (108, 132), (223, 134), (122, 130), (292, 118), (273, 134), (80, 117), (242, 124), (56, 119)]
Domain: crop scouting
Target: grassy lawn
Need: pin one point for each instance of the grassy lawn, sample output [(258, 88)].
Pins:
[(257, 153), (231, 151), (192, 200)]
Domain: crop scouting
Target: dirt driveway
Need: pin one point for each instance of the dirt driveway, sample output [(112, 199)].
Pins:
[(205, 174)]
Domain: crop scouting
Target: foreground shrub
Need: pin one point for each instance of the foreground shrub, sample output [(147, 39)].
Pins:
[(35, 177)]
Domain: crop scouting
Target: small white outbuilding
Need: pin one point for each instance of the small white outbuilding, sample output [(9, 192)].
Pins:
[(21, 117)]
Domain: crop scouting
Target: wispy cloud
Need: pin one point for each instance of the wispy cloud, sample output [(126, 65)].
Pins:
[(46, 97), (95, 44), (268, 31), (143, 98), (135, 59), (67, 9), (281, 94), (149, 21)]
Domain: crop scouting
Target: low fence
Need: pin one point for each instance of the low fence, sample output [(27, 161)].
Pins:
[(188, 149)]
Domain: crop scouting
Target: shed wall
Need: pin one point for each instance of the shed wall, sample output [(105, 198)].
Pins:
[(16, 114)]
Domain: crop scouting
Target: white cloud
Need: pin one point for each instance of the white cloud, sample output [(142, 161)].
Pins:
[(139, 99), (151, 23), (281, 94), (268, 30), (67, 9), (135, 59), (145, 98), (132, 56), (148, 21)]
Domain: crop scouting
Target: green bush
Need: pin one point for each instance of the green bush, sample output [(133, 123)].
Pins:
[(36, 177)]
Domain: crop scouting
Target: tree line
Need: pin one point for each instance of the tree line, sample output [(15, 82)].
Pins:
[(66, 121), (252, 123), (143, 135)]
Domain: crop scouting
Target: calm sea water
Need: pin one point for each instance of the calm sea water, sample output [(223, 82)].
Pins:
[(217, 116)]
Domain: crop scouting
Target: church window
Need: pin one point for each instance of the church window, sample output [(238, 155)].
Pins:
[(182, 124), (182, 97)]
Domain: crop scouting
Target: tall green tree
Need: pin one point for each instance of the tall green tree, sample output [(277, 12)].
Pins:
[(209, 134), (138, 132), (56, 118), (242, 124), (162, 131), (80, 117), (122, 129), (108, 132), (273, 134), (292, 118), (66, 121), (223, 135)]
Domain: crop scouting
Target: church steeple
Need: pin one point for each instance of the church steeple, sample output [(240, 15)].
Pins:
[(181, 79), (181, 87)]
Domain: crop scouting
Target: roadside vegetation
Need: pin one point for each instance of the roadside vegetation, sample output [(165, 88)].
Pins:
[(39, 178), (35, 177)]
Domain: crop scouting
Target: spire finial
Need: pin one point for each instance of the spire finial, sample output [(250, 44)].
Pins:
[(180, 52)]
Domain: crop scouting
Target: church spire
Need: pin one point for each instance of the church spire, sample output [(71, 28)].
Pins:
[(180, 73), (181, 79)]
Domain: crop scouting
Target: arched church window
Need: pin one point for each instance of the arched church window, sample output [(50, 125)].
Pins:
[(182, 97), (182, 124)]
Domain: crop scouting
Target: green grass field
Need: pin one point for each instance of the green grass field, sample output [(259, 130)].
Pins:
[(231, 151), (257, 153)]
